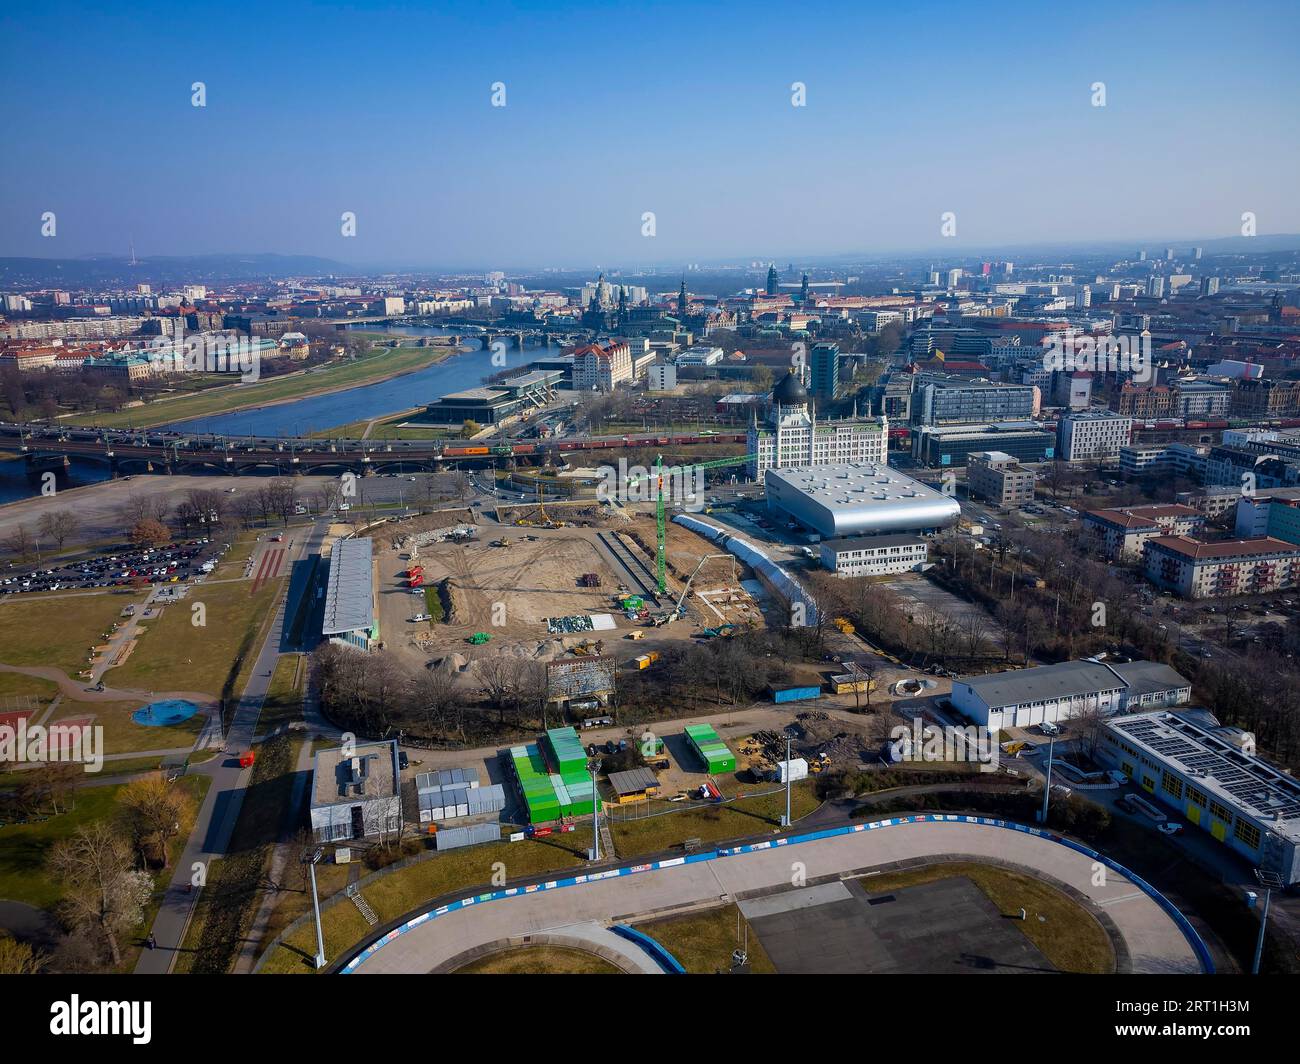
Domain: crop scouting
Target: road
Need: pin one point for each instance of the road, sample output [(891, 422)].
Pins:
[(216, 819)]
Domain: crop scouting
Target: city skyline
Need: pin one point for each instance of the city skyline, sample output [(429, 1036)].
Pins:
[(369, 111)]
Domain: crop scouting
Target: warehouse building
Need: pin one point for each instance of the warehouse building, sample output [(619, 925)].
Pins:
[(356, 795), (874, 555), (350, 595), (1208, 775), (863, 499), (634, 785), (1052, 693)]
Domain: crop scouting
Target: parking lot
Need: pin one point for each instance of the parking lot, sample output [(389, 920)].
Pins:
[(173, 564)]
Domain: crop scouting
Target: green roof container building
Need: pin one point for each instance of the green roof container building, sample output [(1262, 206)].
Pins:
[(567, 751), (715, 754)]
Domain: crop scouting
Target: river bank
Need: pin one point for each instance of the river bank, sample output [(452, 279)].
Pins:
[(377, 368)]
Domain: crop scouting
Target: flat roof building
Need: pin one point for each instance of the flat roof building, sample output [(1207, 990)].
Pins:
[(357, 794), (1022, 698), (874, 555), (350, 595), (855, 499), (1211, 776), (952, 445), (998, 478)]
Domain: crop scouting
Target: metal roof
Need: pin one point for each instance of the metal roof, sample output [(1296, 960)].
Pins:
[(1253, 786), (633, 781), (1150, 677), (349, 595), (859, 498), (1043, 684)]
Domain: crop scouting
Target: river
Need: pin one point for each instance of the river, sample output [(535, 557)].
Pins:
[(301, 417), (313, 413)]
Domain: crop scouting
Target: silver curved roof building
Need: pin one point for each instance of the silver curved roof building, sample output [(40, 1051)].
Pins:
[(862, 499)]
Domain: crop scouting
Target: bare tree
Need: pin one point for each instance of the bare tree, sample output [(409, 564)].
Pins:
[(21, 542), (58, 525), (102, 892), (154, 812)]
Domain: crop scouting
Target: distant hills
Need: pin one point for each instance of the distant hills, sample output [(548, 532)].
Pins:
[(116, 270)]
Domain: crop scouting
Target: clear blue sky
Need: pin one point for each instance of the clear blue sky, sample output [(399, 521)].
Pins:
[(617, 109)]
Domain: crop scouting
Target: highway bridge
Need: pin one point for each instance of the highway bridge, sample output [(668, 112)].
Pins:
[(48, 447)]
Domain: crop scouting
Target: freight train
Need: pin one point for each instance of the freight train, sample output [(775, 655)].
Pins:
[(509, 449)]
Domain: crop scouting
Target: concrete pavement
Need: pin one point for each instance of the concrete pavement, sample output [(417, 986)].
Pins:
[(1153, 941)]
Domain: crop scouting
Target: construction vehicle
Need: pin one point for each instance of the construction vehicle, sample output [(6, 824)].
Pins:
[(844, 625), (636, 634), (502, 542)]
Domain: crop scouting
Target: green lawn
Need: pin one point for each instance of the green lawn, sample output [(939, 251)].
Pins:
[(710, 823), (122, 735), (400, 892), (384, 362), (174, 655), (540, 960), (15, 689), (284, 698), (41, 630), (702, 942)]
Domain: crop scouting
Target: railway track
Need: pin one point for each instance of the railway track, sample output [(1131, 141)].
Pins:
[(638, 572)]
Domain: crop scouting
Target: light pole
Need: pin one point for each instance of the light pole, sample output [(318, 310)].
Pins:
[(1270, 881), (593, 766), (1047, 787), (311, 859), (785, 820)]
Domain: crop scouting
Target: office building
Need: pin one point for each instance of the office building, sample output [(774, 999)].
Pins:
[(792, 435), (824, 360), (1275, 514), (999, 479), (952, 445), (948, 399), (1091, 435), (1210, 775), (356, 794), (874, 555)]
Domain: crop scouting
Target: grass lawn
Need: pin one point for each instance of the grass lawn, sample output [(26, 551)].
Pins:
[(123, 736), (284, 697), (57, 631), (25, 847), (540, 960), (396, 894), (385, 362), (174, 655), (232, 564), (708, 822), (17, 690), (702, 942), (1063, 930)]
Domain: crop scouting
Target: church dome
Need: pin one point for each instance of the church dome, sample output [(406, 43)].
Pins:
[(789, 391)]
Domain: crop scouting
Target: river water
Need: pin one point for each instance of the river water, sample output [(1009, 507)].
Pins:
[(314, 413)]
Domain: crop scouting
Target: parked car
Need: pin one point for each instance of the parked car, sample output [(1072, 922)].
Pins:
[(1170, 828)]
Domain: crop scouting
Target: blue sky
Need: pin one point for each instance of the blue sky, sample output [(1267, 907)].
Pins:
[(617, 109)]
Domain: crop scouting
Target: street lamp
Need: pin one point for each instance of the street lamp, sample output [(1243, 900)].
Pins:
[(1047, 787), (593, 766), (311, 859), (1270, 881)]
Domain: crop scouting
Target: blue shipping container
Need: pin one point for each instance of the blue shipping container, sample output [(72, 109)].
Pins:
[(795, 694)]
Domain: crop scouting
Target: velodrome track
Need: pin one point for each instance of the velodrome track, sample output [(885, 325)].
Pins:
[(1154, 941)]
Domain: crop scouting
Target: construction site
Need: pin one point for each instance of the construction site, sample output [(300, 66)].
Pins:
[(557, 580)]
